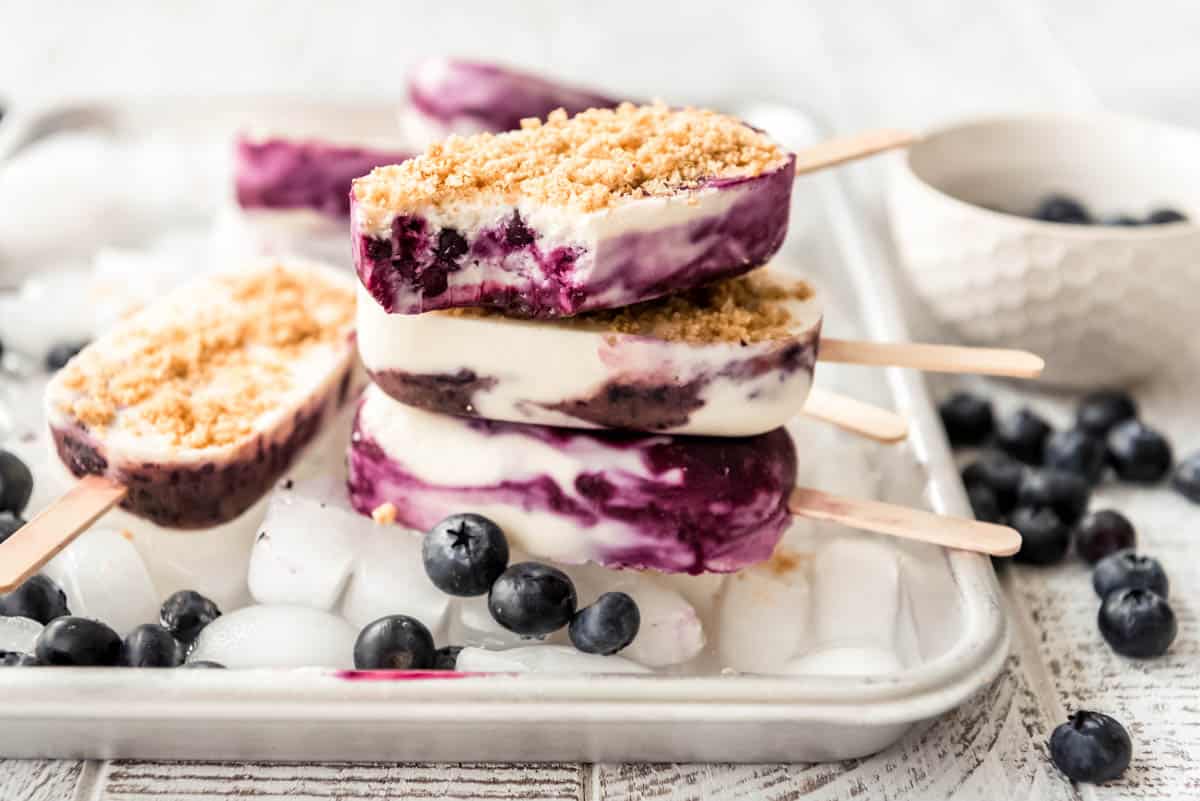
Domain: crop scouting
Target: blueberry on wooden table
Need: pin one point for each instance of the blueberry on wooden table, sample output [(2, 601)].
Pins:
[(1137, 623), (1091, 747), (1164, 216), (1022, 435), (39, 598), (967, 418), (1066, 493), (1102, 533), (395, 642), (1076, 451), (1127, 570), (9, 525), (1059, 208), (1186, 480), (984, 505), (607, 626), (464, 554), (1138, 453), (78, 642), (1000, 473), (1099, 411), (1045, 538)]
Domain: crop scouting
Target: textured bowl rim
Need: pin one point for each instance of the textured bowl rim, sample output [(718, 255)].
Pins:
[(1143, 233)]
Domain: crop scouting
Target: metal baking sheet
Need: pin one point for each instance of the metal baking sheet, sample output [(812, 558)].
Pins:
[(313, 714)]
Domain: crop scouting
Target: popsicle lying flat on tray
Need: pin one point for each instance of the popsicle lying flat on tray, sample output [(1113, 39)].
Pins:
[(670, 503), (452, 96), (733, 358), (598, 211)]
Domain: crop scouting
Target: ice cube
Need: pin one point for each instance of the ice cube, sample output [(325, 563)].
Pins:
[(846, 660), (277, 636), (389, 579), (670, 633), (104, 578), (472, 624), (18, 634), (543, 659), (306, 545), (700, 591), (212, 561), (764, 613), (856, 593), (50, 308)]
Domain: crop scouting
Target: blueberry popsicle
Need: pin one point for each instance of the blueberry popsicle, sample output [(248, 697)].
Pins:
[(734, 358), (676, 504), (596, 211), (199, 402), (454, 96)]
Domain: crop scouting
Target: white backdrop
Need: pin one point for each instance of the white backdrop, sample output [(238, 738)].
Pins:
[(857, 61)]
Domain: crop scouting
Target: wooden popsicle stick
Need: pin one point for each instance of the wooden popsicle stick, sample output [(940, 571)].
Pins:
[(849, 414), (850, 148), (904, 522), (36, 543), (934, 358)]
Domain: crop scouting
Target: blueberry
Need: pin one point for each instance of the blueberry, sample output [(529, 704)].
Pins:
[(1127, 570), (1023, 436), (1000, 473), (77, 641), (62, 353), (1091, 747), (1123, 221), (395, 642), (203, 664), (1076, 451), (607, 626), (1163, 216), (17, 659), (967, 418), (464, 554), (983, 504), (532, 599), (1103, 533), (1138, 453), (1137, 623), (1062, 209), (1186, 480), (186, 613), (16, 484), (9, 525), (1044, 537), (446, 658), (39, 598), (150, 645), (1099, 411), (1066, 493)]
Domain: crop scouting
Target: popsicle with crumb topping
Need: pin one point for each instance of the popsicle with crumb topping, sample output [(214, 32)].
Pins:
[(677, 504), (734, 358), (596, 211), (198, 403)]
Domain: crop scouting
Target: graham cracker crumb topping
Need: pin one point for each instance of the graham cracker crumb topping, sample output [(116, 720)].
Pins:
[(746, 309), (586, 162), (384, 514), (202, 375)]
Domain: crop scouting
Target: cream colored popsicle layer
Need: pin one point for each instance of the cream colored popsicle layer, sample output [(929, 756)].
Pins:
[(199, 402), (731, 359)]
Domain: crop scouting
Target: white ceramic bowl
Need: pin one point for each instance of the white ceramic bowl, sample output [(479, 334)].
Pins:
[(1105, 305)]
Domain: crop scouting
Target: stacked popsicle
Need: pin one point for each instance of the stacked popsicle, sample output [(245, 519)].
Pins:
[(569, 332)]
